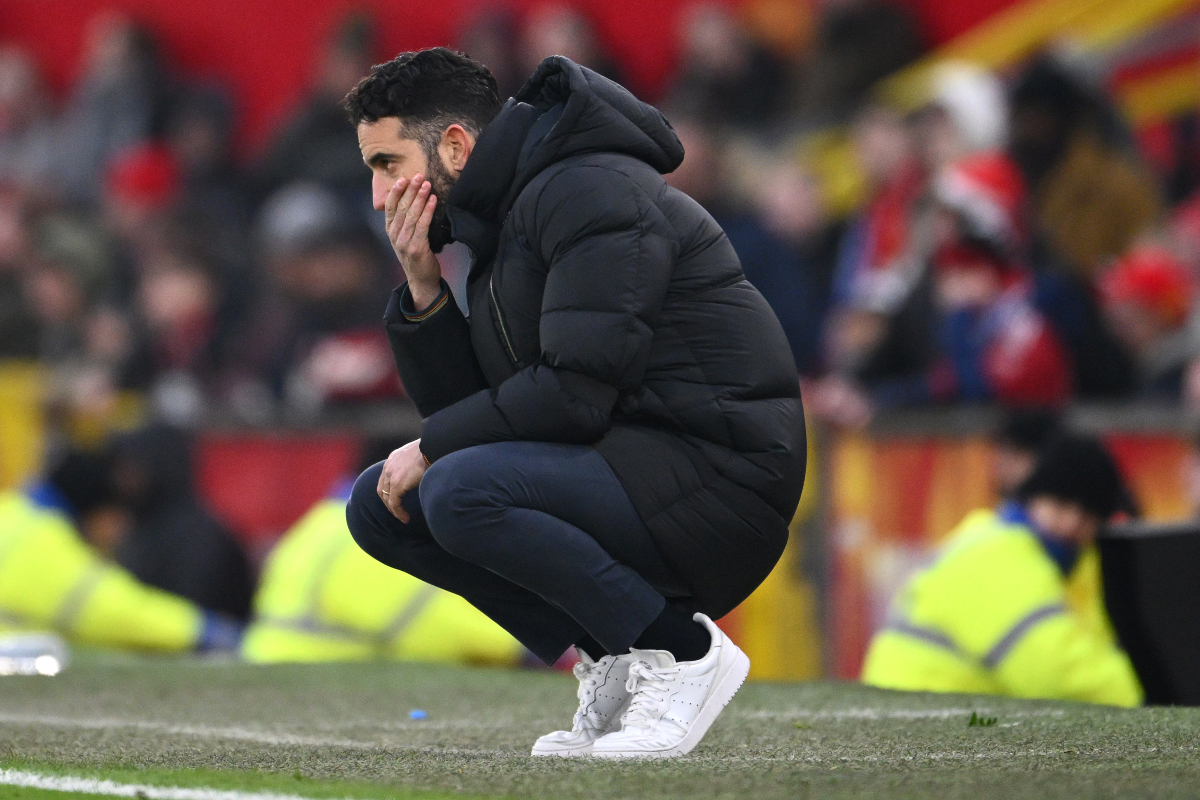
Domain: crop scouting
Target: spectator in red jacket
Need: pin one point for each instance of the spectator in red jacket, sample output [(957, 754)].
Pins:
[(995, 344)]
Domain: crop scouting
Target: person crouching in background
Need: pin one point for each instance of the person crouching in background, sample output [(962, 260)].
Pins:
[(54, 574), (321, 598), (1014, 606)]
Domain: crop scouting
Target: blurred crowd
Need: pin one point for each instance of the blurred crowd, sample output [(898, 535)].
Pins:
[(1013, 248), (1002, 241), (141, 263)]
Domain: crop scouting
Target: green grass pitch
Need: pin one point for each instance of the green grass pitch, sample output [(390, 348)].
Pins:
[(344, 731)]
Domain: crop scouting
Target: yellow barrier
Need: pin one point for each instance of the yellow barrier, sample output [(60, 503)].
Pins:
[(1018, 31), (1162, 95)]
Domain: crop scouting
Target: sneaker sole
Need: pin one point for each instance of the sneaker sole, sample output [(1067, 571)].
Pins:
[(568, 753), (727, 687), (562, 752), (583, 749)]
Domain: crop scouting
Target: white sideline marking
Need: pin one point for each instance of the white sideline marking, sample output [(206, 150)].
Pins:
[(53, 783)]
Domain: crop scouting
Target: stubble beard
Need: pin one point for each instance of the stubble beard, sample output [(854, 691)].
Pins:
[(440, 182)]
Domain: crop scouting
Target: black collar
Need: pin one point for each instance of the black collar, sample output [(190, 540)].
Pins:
[(483, 193)]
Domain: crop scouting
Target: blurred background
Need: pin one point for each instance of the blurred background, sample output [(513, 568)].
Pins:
[(957, 210)]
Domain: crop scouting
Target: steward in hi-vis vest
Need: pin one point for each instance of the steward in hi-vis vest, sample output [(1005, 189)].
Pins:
[(1014, 605), (53, 578), (50, 579), (323, 599)]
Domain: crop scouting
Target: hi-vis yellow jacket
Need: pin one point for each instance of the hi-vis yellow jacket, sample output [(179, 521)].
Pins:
[(323, 599), (50, 579), (994, 615)]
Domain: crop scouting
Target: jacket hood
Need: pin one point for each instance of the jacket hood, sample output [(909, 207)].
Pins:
[(598, 116), (563, 110)]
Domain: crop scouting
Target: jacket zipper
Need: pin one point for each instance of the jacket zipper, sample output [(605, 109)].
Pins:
[(500, 319)]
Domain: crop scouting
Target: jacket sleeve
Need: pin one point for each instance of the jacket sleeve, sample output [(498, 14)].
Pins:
[(433, 351), (609, 254)]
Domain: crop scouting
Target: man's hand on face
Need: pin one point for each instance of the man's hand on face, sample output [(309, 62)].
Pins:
[(409, 212), (402, 472)]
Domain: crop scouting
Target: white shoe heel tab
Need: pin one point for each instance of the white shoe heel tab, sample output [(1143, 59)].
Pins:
[(714, 631)]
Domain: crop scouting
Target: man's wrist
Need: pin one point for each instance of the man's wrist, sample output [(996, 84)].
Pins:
[(424, 295), (418, 304)]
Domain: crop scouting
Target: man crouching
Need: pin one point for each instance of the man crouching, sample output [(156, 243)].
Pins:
[(613, 445)]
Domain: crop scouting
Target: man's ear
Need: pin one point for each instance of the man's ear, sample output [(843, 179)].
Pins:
[(455, 148)]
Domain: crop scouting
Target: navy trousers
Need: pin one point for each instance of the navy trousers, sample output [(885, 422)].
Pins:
[(542, 538)]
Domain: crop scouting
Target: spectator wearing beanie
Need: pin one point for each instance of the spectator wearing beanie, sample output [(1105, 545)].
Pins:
[(142, 185), (1014, 604), (997, 345), (1017, 444)]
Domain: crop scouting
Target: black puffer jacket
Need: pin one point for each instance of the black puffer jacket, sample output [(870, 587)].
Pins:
[(609, 309)]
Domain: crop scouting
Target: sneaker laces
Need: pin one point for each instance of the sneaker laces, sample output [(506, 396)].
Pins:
[(590, 677), (649, 689)]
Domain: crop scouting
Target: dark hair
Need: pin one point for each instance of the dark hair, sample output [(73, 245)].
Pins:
[(84, 481), (429, 90), (1078, 469)]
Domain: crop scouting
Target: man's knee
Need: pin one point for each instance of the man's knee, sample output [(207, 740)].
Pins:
[(453, 493), (363, 512)]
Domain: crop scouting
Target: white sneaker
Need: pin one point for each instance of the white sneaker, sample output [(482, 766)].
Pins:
[(603, 697), (673, 704)]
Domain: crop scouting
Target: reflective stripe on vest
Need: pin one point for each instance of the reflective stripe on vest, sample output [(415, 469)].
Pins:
[(309, 622), (991, 660), (927, 635), (13, 620), (1016, 632), (408, 615), (311, 625), (76, 598), (72, 605)]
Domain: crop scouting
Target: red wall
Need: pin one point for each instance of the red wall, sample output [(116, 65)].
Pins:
[(259, 484), (943, 20), (266, 50)]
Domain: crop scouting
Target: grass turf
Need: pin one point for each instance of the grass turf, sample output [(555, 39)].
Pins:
[(345, 731)]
